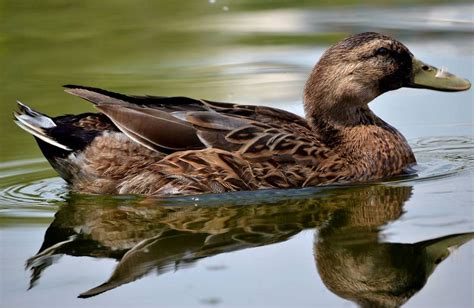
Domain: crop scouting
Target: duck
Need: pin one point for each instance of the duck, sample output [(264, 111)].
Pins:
[(167, 146)]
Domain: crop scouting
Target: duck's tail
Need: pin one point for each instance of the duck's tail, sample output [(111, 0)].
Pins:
[(37, 124), (62, 139)]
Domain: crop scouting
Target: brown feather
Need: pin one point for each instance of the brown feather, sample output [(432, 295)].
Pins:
[(214, 120), (162, 132)]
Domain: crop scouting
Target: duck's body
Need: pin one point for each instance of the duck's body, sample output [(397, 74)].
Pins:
[(176, 145)]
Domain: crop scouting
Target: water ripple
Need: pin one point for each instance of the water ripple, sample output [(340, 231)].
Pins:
[(439, 157), (27, 188)]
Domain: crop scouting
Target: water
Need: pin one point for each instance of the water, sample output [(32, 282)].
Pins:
[(404, 241)]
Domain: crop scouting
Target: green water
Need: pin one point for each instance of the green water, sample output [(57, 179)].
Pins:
[(386, 244)]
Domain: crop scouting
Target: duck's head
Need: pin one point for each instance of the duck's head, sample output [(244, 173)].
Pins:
[(358, 69)]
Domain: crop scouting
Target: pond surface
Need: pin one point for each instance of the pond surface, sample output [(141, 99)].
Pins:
[(405, 241)]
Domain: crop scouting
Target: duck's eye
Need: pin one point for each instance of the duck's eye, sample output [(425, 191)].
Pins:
[(382, 51)]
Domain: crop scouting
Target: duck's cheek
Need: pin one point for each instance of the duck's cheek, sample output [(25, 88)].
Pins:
[(358, 91)]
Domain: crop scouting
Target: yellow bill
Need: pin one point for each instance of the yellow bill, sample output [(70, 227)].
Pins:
[(429, 77)]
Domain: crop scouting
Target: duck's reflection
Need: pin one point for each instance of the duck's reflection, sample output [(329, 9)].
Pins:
[(351, 260)]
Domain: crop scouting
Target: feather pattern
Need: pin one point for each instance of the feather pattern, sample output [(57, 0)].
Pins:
[(209, 147)]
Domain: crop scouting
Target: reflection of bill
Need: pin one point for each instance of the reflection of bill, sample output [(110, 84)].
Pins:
[(350, 258)]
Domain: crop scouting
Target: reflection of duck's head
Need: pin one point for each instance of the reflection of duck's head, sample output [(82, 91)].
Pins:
[(354, 265), (382, 274), (358, 69)]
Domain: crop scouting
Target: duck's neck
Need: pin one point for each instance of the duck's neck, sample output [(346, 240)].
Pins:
[(332, 105), (369, 144), (338, 97), (338, 130)]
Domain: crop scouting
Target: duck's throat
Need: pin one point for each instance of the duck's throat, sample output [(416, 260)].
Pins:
[(371, 146)]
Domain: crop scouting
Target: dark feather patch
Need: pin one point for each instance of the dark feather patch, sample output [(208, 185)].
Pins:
[(164, 133), (243, 134)]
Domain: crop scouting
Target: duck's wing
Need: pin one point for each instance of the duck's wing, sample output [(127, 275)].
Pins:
[(171, 124), (176, 250)]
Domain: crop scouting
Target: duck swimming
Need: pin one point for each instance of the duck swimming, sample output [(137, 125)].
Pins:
[(153, 145)]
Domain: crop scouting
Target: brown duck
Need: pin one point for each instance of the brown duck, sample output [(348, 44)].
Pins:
[(176, 145)]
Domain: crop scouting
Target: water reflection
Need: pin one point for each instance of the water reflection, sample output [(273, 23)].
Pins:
[(351, 259), (356, 265)]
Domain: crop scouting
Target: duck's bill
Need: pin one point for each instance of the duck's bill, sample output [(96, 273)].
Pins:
[(429, 77)]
